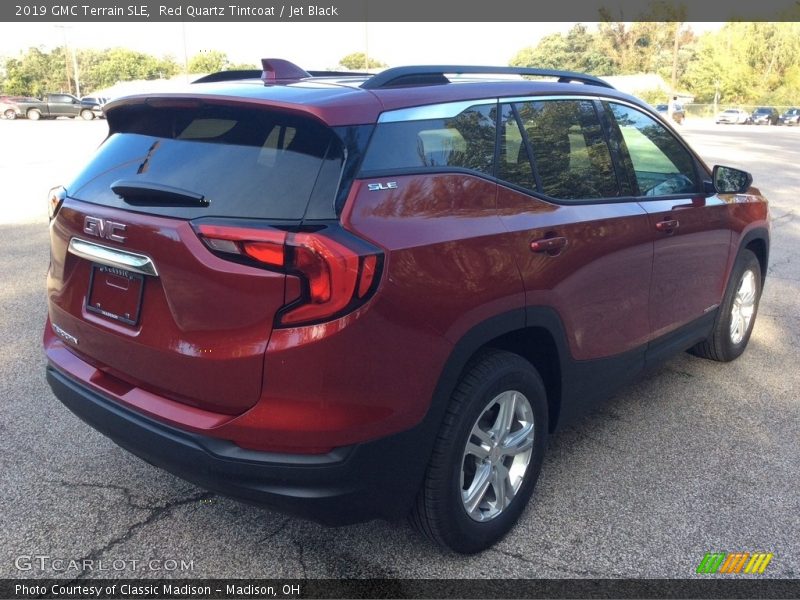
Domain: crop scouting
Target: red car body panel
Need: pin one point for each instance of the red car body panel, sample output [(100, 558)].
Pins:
[(599, 283), (689, 260), (201, 344)]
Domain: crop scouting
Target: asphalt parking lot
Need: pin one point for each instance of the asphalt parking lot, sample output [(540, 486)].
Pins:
[(696, 457)]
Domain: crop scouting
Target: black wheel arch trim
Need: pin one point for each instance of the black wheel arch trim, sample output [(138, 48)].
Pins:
[(756, 234), (581, 382)]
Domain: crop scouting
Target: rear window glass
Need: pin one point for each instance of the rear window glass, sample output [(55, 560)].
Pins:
[(245, 163), (465, 141)]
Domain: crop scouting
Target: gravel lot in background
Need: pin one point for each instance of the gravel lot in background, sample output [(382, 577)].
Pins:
[(695, 457)]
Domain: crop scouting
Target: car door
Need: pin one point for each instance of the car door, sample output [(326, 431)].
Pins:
[(59, 105), (581, 247), (689, 229)]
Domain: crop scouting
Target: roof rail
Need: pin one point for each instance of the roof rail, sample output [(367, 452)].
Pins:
[(435, 74)]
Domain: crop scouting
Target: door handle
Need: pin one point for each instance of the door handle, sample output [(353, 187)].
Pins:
[(552, 246), (668, 226)]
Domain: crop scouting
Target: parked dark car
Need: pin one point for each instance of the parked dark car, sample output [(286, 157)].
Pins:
[(678, 115), (791, 117), (353, 297), (92, 107), (765, 115), (51, 106)]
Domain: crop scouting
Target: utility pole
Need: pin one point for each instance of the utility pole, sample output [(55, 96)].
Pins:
[(675, 57), (185, 53), (366, 47), (66, 58), (63, 29)]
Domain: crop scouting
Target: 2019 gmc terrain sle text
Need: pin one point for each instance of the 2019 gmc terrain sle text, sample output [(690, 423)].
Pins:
[(353, 296)]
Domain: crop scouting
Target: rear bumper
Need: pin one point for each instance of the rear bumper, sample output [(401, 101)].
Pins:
[(377, 479)]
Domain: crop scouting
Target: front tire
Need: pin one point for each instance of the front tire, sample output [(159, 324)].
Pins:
[(487, 455), (737, 313), (10, 114), (87, 115)]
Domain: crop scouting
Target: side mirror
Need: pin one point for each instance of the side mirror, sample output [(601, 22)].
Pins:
[(728, 180)]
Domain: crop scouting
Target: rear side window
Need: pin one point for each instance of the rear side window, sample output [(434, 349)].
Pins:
[(570, 154), (465, 141), (244, 162)]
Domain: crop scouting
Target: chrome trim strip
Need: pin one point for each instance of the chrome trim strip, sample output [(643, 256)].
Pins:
[(111, 257), (448, 110), (576, 96), (445, 110)]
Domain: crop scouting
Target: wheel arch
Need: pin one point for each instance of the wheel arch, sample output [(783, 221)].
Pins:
[(757, 241), (536, 334)]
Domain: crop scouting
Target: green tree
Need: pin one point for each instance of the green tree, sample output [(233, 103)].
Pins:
[(208, 62), (747, 63), (121, 64), (358, 60), (242, 66), (37, 72), (575, 51)]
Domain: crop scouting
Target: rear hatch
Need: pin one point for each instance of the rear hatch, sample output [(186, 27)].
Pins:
[(150, 279)]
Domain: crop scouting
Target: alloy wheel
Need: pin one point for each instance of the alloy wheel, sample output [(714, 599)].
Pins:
[(497, 455)]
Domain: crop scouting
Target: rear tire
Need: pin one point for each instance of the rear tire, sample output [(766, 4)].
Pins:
[(33, 114), (487, 455), (736, 315)]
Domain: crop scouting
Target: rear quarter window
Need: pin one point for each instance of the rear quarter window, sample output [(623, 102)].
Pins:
[(466, 141)]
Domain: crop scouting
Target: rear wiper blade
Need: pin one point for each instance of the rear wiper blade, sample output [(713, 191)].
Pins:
[(143, 193)]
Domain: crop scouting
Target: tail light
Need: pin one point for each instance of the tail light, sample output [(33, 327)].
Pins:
[(55, 198), (338, 272)]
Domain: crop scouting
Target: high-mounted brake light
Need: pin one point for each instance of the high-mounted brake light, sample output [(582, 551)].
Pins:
[(337, 276)]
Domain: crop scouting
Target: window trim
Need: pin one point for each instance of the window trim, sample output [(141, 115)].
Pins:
[(528, 148), (428, 112)]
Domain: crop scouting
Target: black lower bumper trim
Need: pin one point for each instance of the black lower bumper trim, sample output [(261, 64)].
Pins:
[(377, 479)]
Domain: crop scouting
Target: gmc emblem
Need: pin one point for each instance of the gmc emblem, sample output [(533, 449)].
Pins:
[(103, 228)]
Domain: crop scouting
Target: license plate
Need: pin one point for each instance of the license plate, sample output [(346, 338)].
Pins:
[(115, 294)]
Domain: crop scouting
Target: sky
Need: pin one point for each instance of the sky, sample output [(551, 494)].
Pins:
[(310, 45)]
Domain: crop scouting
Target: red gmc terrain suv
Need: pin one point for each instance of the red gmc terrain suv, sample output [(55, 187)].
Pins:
[(352, 296)]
